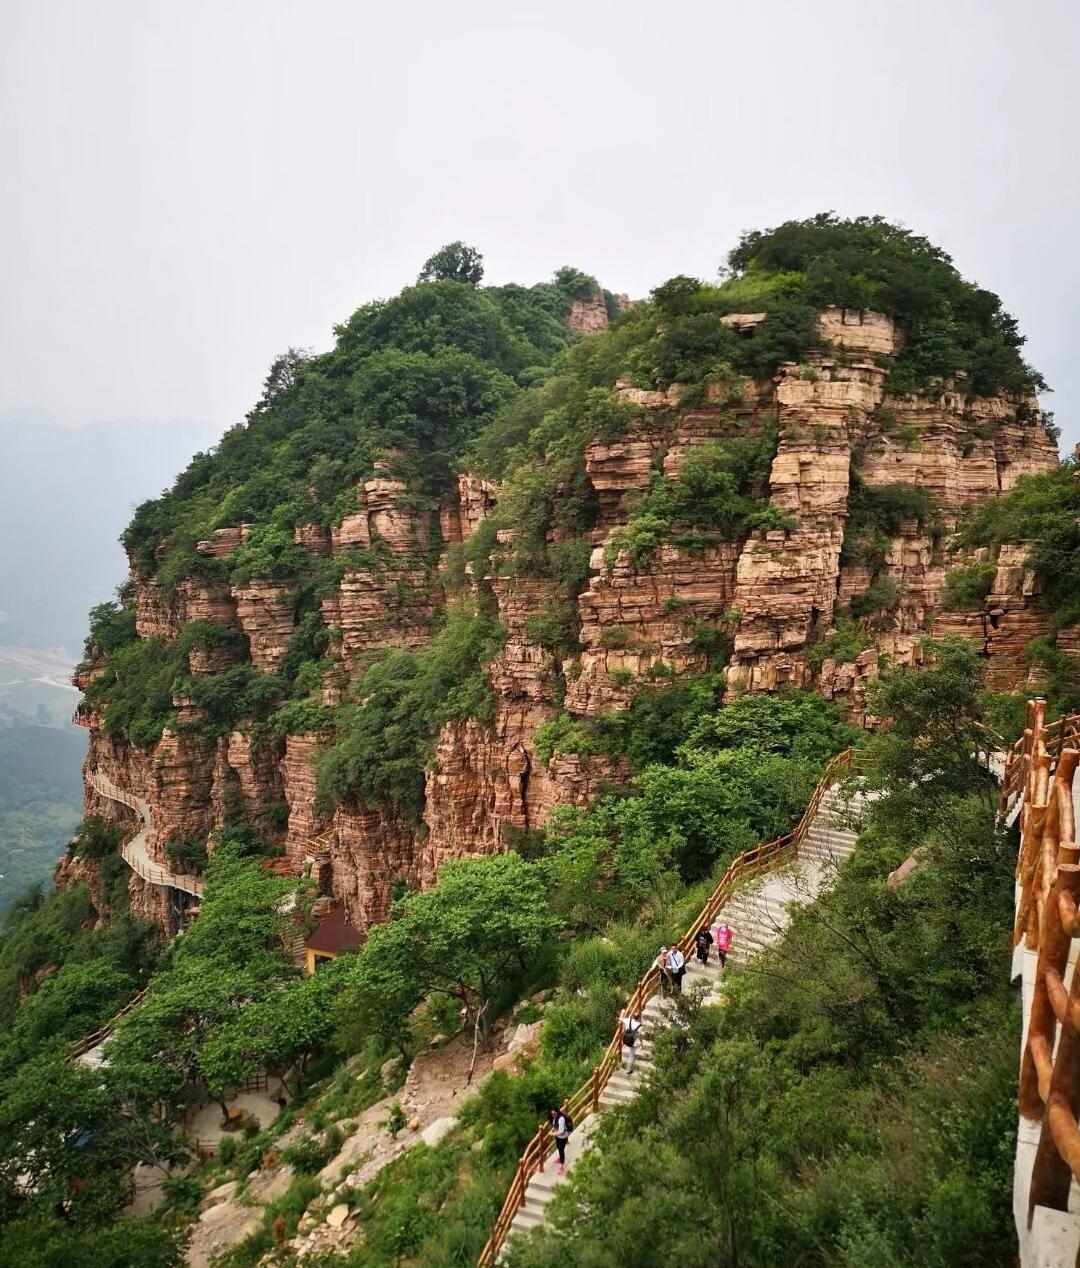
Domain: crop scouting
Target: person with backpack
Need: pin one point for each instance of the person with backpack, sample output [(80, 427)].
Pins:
[(631, 1024), (562, 1125), (703, 940), (677, 967), (723, 942)]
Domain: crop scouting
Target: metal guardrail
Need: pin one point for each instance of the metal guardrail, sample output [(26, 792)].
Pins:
[(586, 1100)]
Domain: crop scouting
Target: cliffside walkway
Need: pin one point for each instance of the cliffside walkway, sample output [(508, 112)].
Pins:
[(134, 851), (796, 868)]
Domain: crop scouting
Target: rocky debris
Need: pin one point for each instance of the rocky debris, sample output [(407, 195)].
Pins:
[(526, 1034), (438, 1131), (265, 1185), (911, 864), (218, 1228)]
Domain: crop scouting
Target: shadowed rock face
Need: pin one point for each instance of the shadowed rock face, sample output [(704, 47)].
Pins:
[(774, 595)]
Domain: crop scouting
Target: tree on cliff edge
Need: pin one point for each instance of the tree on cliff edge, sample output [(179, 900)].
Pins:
[(454, 262), (485, 922)]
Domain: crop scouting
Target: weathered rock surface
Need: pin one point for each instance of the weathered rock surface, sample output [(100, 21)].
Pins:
[(769, 599)]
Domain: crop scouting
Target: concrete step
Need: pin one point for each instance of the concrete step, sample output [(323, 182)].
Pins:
[(535, 1205), (525, 1220), (828, 836)]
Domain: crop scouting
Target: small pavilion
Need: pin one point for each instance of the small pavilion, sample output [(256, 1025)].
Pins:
[(333, 935)]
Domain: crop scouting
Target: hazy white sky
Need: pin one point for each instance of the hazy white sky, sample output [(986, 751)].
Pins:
[(191, 187)]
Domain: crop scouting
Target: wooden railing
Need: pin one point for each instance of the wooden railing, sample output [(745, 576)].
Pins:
[(586, 1100), (135, 857), (1039, 771), (87, 1042)]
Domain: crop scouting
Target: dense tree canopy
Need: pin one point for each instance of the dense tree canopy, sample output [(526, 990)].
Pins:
[(455, 262)]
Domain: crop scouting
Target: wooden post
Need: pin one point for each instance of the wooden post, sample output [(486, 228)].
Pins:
[(1052, 937), (1051, 1175)]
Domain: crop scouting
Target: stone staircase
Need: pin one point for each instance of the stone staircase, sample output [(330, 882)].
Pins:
[(757, 916)]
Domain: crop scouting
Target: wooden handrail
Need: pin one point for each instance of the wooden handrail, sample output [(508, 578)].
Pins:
[(586, 1100), (1039, 771), (82, 1046)]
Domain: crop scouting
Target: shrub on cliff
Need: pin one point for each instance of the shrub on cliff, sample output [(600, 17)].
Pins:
[(384, 740), (1044, 511), (867, 263), (966, 587)]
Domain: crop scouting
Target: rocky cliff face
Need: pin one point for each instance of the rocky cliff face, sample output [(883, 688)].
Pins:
[(774, 598)]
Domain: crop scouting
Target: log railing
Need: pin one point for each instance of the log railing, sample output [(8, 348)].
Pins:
[(1039, 772), (586, 1100), (87, 1042)]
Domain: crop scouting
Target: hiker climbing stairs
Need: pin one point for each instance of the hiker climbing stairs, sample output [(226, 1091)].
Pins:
[(758, 912)]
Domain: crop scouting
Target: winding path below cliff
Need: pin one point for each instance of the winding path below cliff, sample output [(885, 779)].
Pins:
[(134, 851)]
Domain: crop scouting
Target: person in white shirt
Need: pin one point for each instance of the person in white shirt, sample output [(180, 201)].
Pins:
[(631, 1025), (677, 968), (562, 1126)]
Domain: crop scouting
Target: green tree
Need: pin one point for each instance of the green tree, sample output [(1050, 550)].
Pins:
[(454, 262), (61, 1144), (484, 922), (926, 756), (47, 1241), (284, 1029)]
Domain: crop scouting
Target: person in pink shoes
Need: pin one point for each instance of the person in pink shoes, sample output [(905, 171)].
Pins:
[(561, 1125), (723, 942)]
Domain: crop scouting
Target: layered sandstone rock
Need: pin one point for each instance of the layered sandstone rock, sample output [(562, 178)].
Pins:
[(1009, 619), (298, 789), (657, 623), (461, 516), (264, 610), (372, 608), (773, 596), (225, 542), (588, 315), (787, 579)]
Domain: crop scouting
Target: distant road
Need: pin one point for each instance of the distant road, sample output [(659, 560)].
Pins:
[(20, 665)]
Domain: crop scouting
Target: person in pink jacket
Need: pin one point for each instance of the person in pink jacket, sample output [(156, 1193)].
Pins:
[(723, 942)]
